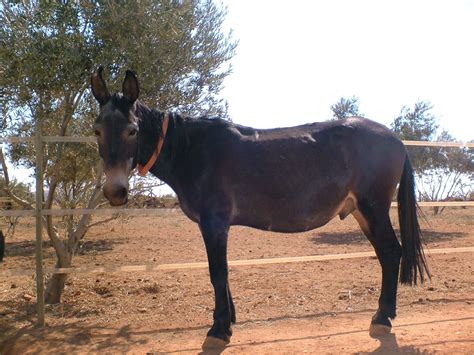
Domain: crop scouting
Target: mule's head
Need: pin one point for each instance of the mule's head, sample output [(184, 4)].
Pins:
[(116, 129)]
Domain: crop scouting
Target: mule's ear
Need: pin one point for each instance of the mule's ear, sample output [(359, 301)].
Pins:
[(130, 87), (99, 88)]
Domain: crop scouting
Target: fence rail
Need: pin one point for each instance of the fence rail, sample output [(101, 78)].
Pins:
[(204, 265), (164, 211), (92, 139)]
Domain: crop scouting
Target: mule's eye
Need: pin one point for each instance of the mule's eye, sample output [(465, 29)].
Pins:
[(97, 133), (133, 133)]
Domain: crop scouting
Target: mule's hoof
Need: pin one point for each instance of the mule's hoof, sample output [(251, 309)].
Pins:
[(214, 343), (377, 330)]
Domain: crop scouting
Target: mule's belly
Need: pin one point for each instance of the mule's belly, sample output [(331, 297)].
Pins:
[(293, 215), (289, 225)]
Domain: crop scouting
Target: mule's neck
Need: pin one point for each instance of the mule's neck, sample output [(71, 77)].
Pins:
[(150, 132)]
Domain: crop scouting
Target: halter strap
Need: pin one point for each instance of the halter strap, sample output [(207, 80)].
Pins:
[(143, 170)]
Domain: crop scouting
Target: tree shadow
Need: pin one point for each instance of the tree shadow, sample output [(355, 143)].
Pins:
[(27, 248), (358, 238), (89, 246), (70, 337), (24, 248)]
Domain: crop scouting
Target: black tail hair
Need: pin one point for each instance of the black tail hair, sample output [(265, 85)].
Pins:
[(413, 265), (2, 245)]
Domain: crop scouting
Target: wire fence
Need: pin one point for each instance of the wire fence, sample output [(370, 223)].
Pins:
[(39, 212)]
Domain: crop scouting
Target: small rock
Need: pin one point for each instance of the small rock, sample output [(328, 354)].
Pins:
[(431, 288), (27, 297), (142, 310), (13, 286)]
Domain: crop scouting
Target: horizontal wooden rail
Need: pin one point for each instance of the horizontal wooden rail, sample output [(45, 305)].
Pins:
[(439, 144), (91, 139), (16, 139), (442, 204), (70, 139), (112, 211), (100, 211), (163, 211), (203, 265), (50, 139), (17, 213)]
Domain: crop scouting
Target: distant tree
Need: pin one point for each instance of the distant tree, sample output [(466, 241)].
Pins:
[(419, 124), (346, 107), (442, 172), (451, 176), (48, 51)]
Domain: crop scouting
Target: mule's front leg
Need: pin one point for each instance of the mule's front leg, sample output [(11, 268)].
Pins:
[(214, 230)]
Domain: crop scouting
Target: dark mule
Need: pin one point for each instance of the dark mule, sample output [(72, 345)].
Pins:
[(284, 180)]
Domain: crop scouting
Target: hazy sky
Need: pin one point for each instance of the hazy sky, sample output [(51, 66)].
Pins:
[(297, 58)]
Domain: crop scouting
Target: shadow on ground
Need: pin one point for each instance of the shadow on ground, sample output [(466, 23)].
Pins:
[(71, 337), (357, 237), (78, 336), (27, 248)]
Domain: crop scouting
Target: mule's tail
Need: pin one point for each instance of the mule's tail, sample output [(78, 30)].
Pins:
[(413, 263)]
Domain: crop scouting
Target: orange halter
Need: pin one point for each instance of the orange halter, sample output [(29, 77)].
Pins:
[(143, 170)]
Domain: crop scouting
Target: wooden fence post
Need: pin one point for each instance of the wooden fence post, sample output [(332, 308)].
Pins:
[(39, 223)]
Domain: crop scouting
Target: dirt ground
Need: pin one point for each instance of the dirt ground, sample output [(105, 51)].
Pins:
[(310, 307)]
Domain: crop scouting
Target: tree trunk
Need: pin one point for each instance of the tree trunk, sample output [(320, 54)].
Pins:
[(56, 285)]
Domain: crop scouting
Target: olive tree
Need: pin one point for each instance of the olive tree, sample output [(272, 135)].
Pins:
[(442, 172), (345, 107), (48, 51)]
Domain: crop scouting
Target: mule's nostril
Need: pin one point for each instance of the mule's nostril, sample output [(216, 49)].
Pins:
[(123, 192)]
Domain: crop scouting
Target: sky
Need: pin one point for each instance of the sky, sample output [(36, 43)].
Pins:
[(297, 58)]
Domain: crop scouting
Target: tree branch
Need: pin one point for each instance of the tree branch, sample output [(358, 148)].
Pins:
[(8, 188)]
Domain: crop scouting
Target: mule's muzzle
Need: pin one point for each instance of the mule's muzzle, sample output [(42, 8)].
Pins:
[(116, 187), (117, 195)]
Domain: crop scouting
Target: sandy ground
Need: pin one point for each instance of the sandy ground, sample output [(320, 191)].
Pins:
[(314, 307)]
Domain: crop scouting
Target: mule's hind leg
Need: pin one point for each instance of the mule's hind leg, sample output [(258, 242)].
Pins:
[(376, 225)]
